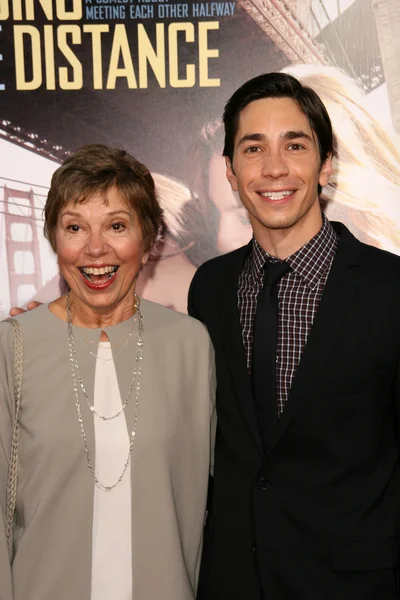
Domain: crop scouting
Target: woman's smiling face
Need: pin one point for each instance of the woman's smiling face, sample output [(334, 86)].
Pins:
[(100, 251)]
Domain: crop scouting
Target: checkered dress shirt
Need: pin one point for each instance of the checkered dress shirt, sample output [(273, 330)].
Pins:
[(299, 293)]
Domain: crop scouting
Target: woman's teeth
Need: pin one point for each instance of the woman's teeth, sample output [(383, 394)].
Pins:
[(87, 271), (96, 271)]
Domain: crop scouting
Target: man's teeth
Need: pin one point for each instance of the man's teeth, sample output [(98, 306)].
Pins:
[(276, 195), (101, 271)]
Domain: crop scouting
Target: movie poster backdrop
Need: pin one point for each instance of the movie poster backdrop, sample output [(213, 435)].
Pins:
[(152, 77)]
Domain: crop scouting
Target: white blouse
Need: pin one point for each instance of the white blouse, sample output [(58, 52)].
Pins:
[(112, 543)]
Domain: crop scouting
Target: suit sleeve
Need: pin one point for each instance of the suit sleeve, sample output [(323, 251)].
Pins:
[(194, 304), (191, 297), (213, 417), (397, 400), (7, 414)]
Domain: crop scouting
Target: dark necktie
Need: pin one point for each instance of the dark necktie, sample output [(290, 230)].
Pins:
[(265, 336)]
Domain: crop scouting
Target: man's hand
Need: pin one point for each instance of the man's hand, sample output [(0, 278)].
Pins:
[(18, 311)]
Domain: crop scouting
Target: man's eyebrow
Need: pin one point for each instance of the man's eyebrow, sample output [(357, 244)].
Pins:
[(294, 135), (284, 135), (252, 137)]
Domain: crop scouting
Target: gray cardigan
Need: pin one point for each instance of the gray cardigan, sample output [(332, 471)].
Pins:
[(170, 461)]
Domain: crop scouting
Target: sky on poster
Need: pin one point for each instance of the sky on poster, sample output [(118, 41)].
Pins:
[(332, 7), (22, 169)]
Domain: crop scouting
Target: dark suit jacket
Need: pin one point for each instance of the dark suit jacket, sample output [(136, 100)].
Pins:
[(315, 516)]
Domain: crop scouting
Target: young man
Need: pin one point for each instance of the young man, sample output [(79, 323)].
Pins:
[(305, 322)]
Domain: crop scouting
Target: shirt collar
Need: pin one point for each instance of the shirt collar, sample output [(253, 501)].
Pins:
[(310, 262)]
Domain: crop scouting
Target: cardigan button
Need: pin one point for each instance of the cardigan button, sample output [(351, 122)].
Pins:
[(264, 484)]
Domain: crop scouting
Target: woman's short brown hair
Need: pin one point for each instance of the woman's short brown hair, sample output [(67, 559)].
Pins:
[(94, 169)]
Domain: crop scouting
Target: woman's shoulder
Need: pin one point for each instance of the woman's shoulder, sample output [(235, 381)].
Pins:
[(6, 335), (156, 317), (39, 319), (36, 315)]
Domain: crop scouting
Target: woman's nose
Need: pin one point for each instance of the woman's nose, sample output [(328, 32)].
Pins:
[(96, 245)]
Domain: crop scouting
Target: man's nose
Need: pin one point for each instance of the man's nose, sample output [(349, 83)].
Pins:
[(275, 165)]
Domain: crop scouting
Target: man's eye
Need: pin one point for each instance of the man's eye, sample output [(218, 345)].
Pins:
[(296, 147), (252, 149), (73, 228)]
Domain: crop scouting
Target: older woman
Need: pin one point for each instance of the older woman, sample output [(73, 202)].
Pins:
[(116, 408)]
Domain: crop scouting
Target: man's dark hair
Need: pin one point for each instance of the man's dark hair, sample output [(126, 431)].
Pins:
[(279, 85)]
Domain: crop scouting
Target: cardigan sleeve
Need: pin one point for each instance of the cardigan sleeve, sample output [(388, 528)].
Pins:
[(7, 413)]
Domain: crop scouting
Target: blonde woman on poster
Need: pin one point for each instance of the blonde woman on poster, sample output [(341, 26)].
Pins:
[(117, 408), (364, 190)]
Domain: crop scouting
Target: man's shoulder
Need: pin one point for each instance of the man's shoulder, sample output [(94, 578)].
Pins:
[(219, 265), (369, 265), (381, 272), (379, 258), (374, 259), (211, 278)]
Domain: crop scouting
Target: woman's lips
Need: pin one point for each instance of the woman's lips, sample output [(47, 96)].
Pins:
[(99, 282)]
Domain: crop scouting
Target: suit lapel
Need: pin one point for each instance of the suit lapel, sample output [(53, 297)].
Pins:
[(233, 343), (337, 297)]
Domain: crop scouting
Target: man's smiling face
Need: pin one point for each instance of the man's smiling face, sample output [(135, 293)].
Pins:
[(276, 167)]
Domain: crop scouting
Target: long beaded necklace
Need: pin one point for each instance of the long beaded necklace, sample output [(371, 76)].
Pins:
[(76, 377), (126, 339)]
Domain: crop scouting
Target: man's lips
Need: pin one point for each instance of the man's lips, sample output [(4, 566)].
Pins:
[(277, 196)]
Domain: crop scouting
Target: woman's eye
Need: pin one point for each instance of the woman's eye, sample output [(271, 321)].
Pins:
[(118, 226), (73, 228)]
